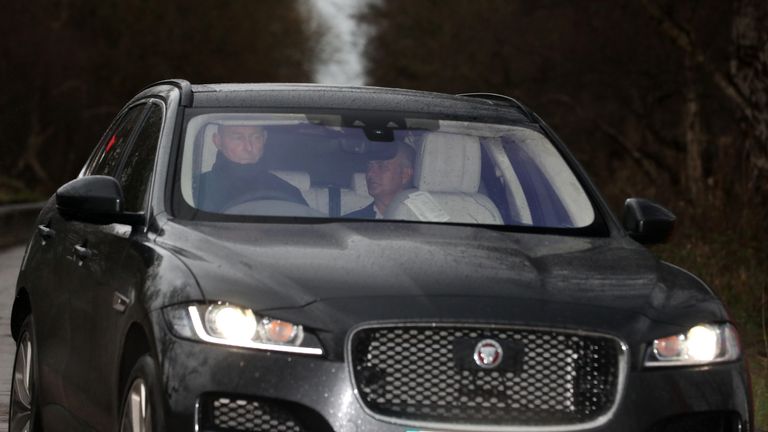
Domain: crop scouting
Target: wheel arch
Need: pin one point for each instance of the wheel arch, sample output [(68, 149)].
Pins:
[(135, 345), (22, 307)]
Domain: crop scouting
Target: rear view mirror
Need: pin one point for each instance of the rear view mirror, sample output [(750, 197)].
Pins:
[(371, 150), (646, 221), (94, 199)]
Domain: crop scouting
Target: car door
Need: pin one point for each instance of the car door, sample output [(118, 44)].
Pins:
[(50, 304), (91, 254), (116, 283)]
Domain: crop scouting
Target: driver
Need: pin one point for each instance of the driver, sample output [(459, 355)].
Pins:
[(238, 172)]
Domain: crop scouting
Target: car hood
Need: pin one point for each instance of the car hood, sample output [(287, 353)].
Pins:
[(284, 266)]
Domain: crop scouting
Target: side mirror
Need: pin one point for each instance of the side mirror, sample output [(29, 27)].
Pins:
[(94, 199), (646, 221)]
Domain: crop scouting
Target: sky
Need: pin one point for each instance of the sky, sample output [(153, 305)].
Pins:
[(345, 43)]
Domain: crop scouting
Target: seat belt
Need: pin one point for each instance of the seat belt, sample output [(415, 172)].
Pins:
[(334, 201)]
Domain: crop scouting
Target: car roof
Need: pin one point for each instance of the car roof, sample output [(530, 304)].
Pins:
[(281, 96)]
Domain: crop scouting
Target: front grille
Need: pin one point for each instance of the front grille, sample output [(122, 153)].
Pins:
[(428, 374), (235, 414)]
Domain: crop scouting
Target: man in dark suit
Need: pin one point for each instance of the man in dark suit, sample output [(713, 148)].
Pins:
[(385, 179), (238, 174)]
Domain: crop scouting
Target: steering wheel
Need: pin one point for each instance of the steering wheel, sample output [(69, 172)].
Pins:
[(269, 203)]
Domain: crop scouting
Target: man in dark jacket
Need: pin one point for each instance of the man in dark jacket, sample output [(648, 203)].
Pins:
[(238, 175), (385, 179)]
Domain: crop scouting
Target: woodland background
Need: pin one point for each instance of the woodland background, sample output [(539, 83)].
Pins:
[(663, 99)]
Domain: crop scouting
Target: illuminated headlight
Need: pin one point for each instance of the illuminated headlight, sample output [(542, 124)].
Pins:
[(702, 344), (227, 324)]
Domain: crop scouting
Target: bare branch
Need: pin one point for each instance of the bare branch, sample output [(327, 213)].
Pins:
[(684, 41), (646, 161)]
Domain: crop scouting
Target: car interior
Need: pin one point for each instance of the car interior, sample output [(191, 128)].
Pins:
[(459, 176)]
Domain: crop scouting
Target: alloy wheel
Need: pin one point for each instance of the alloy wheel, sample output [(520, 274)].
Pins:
[(137, 415), (22, 387)]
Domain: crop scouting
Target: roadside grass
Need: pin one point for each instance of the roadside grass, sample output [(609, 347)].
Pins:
[(13, 191), (759, 369), (735, 265)]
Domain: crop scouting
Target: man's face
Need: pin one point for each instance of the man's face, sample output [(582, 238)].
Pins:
[(387, 177), (241, 144)]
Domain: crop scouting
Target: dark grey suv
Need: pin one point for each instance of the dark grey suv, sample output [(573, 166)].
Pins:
[(262, 257)]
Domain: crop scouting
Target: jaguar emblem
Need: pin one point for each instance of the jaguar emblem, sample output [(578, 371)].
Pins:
[(488, 354)]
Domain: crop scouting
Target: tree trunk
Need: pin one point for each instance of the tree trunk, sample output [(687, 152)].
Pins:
[(37, 139), (694, 137), (749, 71)]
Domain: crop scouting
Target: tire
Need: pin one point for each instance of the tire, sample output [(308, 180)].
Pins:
[(23, 415), (141, 409)]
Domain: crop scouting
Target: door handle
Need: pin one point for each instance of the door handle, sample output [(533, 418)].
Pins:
[(46, 232), (82, 252), (120, 302)]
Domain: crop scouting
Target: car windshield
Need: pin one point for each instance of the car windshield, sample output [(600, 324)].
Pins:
[(375, 165)]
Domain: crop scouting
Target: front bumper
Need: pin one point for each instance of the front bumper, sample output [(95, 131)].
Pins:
[(317, 394)]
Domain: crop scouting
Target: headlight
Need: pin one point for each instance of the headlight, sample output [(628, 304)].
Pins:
[(702, 344), (226, 324)]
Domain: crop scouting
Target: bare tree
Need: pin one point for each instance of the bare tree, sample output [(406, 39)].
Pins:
[(749, 69), (746, 86), (69, 65)]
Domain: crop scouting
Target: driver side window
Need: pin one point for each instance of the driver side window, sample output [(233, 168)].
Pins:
[(107, 160), (136, 174)]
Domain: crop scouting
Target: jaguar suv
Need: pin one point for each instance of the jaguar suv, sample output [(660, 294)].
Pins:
[(280, 257)]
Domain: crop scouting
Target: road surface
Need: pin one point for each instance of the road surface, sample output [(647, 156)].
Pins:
[(10, 260)]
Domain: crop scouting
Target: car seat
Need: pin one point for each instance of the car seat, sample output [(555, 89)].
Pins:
[(446, 180)]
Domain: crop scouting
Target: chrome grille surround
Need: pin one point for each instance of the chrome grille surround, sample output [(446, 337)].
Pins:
[(503, 400)]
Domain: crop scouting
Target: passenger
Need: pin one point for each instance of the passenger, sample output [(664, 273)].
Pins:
[(385, 179), (238, 175)]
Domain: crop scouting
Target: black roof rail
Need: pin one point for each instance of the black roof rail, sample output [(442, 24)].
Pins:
[(183, 85), (494, 98)]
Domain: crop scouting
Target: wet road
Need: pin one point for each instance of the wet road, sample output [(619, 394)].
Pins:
[(10, 260)]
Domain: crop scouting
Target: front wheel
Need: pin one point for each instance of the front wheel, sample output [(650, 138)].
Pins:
[(141, 408), (23, 403)]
